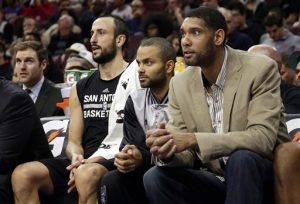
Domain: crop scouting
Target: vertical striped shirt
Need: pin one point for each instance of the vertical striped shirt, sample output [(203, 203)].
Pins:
[(215, 99)]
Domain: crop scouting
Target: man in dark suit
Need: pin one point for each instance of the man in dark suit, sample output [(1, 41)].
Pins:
[(22, 137), (31, 59)]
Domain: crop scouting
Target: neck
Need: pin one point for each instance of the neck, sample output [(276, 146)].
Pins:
[(212, 71), (113, 68), (160, 93)]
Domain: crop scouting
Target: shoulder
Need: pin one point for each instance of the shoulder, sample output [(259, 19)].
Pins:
[(15, 97)]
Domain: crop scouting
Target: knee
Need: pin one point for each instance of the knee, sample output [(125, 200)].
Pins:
[(287, 157), (243, 159), (152, 178), (23, 177), (88, 175)]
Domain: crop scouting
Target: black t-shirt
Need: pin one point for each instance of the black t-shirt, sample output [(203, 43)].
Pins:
[(95, 96)]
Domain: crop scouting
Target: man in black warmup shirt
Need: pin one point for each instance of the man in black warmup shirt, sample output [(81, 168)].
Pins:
[(92, 125)]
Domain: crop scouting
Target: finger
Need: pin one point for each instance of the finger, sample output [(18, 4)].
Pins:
[(125, 148), (166, 150), (71, 188), (154, 150), (170, 153), (73, 165), (162, 125), (157, 133), (123, 162), (122, 156), (126, 169), (161, 140), (71, 181)]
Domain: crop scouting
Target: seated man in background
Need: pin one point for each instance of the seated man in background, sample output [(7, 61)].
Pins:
[(290, 94), (30, 61), (22, 136), (144, 110)]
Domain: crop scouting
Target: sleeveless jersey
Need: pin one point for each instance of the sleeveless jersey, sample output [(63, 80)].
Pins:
[(95, 96)]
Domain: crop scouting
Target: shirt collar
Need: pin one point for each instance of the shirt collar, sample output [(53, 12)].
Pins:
[(221, 76), (36, 88)]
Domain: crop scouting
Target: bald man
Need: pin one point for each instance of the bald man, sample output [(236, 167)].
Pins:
[(290, 94)]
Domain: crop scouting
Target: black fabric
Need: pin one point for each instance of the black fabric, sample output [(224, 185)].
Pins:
[(290, 95), (22, 137), (6, 71), (46, 101), (134, 133), (95, 96)]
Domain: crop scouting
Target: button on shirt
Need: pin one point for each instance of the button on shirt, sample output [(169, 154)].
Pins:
[(35, 90)]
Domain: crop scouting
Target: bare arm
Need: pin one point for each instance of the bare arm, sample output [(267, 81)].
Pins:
[(74, 148)]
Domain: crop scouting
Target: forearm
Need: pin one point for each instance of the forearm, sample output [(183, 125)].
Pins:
[(73, 149)]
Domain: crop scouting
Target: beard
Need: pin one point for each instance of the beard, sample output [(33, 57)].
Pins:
[(205, 58), (107, 55), (154, 83)]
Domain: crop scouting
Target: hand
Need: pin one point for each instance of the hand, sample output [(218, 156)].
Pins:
[(76, 162), (128, 159), (160, 142)]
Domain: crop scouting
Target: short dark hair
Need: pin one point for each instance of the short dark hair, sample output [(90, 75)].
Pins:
[(166, 49), (237, 6), (162, 21), (213, 19), (272, 20), (41, 51), (121, 28)]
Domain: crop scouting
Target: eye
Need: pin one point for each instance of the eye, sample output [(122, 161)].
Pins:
[(29, 61), (148, 62), (196, 32)]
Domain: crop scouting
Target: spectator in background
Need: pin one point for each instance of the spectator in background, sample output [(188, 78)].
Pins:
[(6, 30), (95, 8), (235, 39), (279, 37), (175, 10), (138, 12), (290, 94), (6, 69), (22, 137), (144, 109), (122, 9), (30, 25), (175, 39), (65, 37), (30, 61), (157, 25), (253, 29), (34, 36)]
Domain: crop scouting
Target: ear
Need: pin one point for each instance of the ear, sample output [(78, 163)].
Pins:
[(170, 66), (120, 40), (219, 37), (44, 64)]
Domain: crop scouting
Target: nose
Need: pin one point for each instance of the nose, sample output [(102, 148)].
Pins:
[(93, 39), (185, 41), (141, 68)]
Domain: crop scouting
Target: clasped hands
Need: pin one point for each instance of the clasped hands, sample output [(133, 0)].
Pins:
[(164, 144)]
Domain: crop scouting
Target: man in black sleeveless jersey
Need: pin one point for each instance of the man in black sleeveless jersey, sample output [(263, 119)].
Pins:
[(145, 109), (92, 123)]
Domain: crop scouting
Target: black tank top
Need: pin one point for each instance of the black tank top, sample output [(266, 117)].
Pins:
[(95, 96)]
